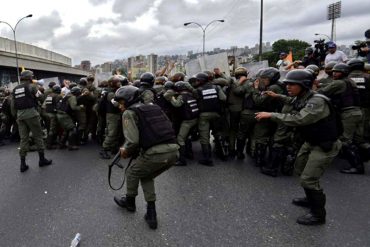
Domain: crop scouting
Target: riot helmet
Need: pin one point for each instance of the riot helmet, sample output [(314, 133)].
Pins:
[(26, 75), (57, 89), (51, 84), (202, 78), (341, 67), (147, 79), (356, 64), (168, 85), (314, 68), (273, 74), (83, 81), (240, 71), (76, 91), (301, 77), (128, 94)]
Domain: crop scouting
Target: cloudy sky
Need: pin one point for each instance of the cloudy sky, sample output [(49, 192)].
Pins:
[(104, 30)]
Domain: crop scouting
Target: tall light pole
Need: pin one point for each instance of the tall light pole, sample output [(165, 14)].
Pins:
[(323, 35), (204, 30), (261, 32), (15, 40)]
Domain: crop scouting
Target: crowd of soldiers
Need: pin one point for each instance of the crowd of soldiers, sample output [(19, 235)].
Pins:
[(204, 104), (244, 115)]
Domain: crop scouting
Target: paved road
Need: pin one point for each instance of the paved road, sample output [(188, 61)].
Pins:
[(231, 204)]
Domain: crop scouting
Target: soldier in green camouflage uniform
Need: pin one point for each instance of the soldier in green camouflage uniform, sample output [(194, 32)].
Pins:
[(316, 121), (148, 132), (24, 108)]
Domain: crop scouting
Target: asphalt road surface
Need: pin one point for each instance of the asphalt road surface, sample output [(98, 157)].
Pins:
[(231, 204)]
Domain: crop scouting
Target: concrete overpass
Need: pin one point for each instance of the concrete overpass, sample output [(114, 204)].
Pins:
[(44, 63)]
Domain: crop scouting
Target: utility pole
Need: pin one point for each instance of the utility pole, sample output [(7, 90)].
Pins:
[(261, 30)]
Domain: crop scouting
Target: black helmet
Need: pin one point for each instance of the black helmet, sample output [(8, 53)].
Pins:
[(26, 75), (356, 64), (76, 91), (57, 89), (72, 85), (136, 83), (83, 81), (51, 84), (330, 65), (202, 78), (129, 94), (168, 85), (147, 79), (301, 77), (271, 73), (308, 51), (314, 68), (123, 80), (240, 71), (192, 80), (180, 86), (341, 67)]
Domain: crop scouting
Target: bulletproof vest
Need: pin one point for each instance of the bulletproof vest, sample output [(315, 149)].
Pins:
[(208, 98), (51, 102), (109, 107), (23, 99), (189, 110), (324, 131), (348, 98), (160, 100), (154, 126), (63, 105), (363, 86)]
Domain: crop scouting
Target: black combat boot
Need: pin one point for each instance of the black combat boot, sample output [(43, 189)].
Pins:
[(43, 161), (104, 154), (24, 166), (182, 160), (151, 216), (189, 149), (303, 201), (72, 141), (240, 149), (260, 154), (352, 154), (127, 202), (49, 142), (317, 216), (220, 148), (207, 158), (277, 156)]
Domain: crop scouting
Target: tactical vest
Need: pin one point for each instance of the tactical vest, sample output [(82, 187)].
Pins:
[(363, 87), (324, 131), (51, 102), (208, 98), (23, 99), (163, 103), (189, 110), (109, 107), (154, 126), (64, 106), (350, 97)]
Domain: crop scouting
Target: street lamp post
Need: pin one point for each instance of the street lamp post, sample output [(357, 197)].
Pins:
[(323, 35), (15, 40), (204, 30)]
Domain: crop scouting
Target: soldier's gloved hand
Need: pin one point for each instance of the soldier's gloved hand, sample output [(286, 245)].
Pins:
[(124, 153), (271, 94)]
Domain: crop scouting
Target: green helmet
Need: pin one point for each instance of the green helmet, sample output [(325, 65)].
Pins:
[(330, 65), (314, 68), (301, 77), (341, 67), (26, 75), (240, 71), (76, 91), (271, 73), (57, 89)]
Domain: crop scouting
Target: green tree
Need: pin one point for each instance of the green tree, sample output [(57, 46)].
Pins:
[(297, 46)]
